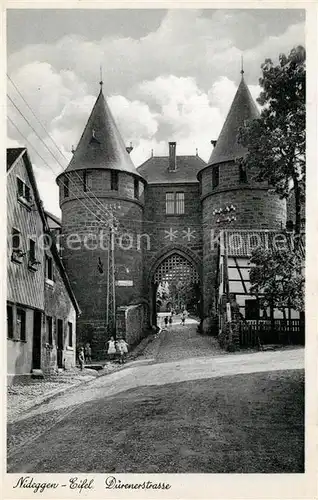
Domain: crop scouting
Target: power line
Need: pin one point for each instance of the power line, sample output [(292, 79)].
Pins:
[(50, 151), (41, 157)]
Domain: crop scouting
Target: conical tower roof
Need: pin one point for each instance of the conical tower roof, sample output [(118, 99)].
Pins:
[(101, 145), (243, 108)]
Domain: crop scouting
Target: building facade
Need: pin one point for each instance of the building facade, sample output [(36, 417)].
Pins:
[(167, 214), (41, 306)]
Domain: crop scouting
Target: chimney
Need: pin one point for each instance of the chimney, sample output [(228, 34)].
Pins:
[(172, 156)]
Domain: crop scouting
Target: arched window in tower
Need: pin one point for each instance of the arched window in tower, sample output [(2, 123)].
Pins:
[(215, 176), (242, 174)]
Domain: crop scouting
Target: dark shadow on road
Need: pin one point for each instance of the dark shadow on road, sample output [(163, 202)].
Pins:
[(252, 423)]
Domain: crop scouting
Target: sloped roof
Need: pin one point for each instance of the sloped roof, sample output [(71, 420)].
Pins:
[(54, 218), (101, 145), (155, 169), (41, 211), (12, 155), (243, 108)]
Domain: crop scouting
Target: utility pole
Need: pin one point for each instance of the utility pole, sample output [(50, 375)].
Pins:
[(110, 277)]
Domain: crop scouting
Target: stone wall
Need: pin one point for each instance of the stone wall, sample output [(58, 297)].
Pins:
[(131, 323)]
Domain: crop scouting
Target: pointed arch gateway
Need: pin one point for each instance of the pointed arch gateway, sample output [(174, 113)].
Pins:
[(175, 280)]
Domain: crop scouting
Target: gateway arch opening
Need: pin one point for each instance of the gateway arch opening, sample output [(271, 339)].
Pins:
[(176, 286)]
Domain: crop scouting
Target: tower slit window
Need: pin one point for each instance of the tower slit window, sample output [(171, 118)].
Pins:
[(215, 176), (136, 189), (242, 174), (114, 180)]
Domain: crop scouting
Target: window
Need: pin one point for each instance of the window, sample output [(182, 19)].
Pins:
[(174, 203), (114, 180), (49, 268), (169, 203), (66, 187), (85, 181), (21, 324), (242, 174), (10, 322), (179, 203), (49, 329), (136, 189), (70, 334), (251, 309), (215, 177)]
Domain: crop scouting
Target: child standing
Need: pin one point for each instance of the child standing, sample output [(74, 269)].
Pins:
[(122, 347), (88, 353), (111, 348), (81, 358)]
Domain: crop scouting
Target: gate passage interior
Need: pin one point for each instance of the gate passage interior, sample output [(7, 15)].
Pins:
[(178, 272)]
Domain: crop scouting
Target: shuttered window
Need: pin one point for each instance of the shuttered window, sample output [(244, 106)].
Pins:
[(114, 180)]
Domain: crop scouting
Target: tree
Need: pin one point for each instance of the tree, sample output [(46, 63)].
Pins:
[(276, 141), (277, 278)]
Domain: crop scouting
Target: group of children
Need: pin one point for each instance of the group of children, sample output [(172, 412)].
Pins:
[(114, 348), (117, 347), (85, 355)]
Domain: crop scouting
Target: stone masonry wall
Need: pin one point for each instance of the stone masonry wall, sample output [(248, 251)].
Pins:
[(84, 225)]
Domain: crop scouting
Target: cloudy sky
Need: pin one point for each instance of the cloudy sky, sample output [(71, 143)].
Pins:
[(168, 75)]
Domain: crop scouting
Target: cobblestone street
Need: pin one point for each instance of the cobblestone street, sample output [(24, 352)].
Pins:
[(169, 389)]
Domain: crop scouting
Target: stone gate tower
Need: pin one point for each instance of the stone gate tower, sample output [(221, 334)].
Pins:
[(230, 196), (100, 180)]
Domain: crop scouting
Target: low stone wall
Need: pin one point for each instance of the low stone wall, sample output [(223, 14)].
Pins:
[(131, 323)]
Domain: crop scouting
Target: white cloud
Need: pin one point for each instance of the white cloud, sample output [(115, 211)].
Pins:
[(176, 83)]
